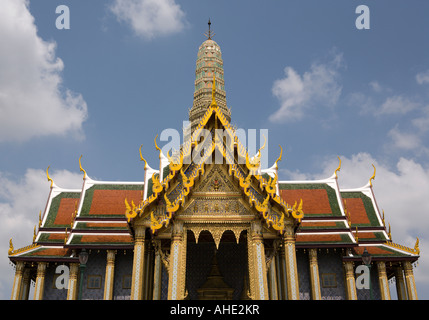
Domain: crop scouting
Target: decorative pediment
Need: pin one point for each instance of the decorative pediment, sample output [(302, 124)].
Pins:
[(216, 181), (206, 176)]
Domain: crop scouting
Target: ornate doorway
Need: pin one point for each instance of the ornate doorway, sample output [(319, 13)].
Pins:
[(216, 273)]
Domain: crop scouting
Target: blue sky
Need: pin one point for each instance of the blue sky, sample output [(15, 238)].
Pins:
[(301, 69)]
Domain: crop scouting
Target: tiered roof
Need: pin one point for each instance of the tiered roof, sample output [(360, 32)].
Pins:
[(92, 218)]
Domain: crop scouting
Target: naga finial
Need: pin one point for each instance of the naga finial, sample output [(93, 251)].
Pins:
[(373, 176), (416, 246), (280, 157), (141, 157), (10, 247), (82, 169), (338, 169), (49, 178), (156, 146)]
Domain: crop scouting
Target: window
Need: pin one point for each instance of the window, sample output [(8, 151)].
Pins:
[(94, 282), (329, 280)]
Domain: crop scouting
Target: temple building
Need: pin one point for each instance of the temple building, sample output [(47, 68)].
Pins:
[(209, 223)]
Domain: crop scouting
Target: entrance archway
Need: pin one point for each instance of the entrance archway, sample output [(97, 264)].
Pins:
[(230, 260)]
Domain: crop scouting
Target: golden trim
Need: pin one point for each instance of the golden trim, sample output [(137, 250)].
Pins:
[(416, 249), (12, 252)]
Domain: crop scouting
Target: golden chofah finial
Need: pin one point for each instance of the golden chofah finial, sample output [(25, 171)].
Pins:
[(40, 218), (373, 177), (156, 146), (339, 168), (34, 234), (382, 219), (82, 169), (263, 146), (10, 247), (213, 104), (280, 157), (141, 157), (49, 178), (389, 233), (416, 246)]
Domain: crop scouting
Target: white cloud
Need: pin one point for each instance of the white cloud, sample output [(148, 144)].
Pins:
[(32, 102), (317, 87), (150, 18), (404, 141), (397, 105), (423, 77), (20, 202), (402, 192)]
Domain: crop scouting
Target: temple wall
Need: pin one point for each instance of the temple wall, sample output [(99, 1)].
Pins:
[(50, 290), (93, 278), (123, 273), (303, 274), (364, 294), (331, 267)]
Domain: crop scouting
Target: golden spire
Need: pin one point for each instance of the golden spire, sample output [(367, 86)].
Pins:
[(34, 234), (40, 218), (209, 34), (213, 104)]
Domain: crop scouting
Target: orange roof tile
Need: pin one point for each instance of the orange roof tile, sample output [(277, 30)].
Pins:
[(111, 202), (356, 209), (314, 201), (65, 211)]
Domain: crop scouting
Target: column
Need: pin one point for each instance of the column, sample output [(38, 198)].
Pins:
[(138, 264), (157, 272), (272, 275), (177, 274), (110, 272), (409, 280), (25, 285), (148, 269), (17, 282), (72, 285), (281, 274), (290, 261), (382, 280), (40, 281), (257, 265), (314, 275), (350, 281), (400, 284)]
